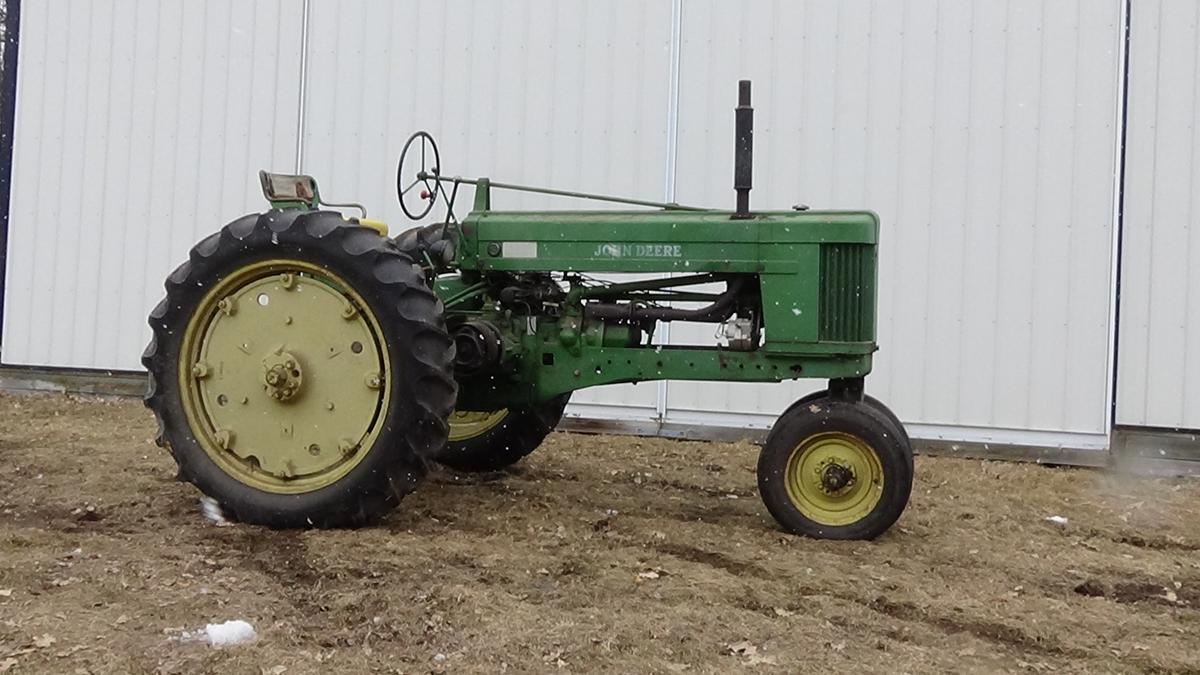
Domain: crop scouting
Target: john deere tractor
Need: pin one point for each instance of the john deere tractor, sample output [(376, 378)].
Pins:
[(305, 367)]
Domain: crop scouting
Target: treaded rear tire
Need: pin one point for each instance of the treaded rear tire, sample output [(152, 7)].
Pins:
[(420, 352), (510, 441)]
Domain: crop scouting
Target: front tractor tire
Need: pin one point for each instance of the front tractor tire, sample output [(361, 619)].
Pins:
[(835, 469), (869, 400), (489, 441), (300, 370)]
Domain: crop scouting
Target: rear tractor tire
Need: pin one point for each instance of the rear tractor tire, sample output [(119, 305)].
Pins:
[(300, 370), (489, 441), (833, 469)]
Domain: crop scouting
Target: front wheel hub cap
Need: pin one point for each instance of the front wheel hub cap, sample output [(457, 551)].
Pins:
[(835, 477)]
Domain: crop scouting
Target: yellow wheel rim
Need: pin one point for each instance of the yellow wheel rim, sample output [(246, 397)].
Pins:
[(284, 376), (467, 424), (834, 478)]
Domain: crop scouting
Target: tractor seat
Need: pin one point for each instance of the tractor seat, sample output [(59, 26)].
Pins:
[(435, 242)]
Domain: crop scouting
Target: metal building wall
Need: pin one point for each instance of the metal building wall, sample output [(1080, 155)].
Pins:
[(139, 128), (1158, 379), (983, 133), (564, 94)]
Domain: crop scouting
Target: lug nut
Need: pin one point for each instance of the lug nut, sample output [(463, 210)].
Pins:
[(224, 438)]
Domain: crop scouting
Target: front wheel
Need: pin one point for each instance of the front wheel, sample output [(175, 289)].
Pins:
[(866, 398), (835, 470)]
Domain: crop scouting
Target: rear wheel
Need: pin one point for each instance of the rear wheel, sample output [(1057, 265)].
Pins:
[(487, 441), (300, 370), (835, 470)]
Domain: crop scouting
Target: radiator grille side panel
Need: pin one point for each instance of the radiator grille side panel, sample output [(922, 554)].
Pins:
[(847, 293)]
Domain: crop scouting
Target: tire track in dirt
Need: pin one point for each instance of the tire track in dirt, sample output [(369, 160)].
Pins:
[(713, 559), (1155, 543), (994, 632), (282, 558), (1185, 596), (698, 509), (989, 631)]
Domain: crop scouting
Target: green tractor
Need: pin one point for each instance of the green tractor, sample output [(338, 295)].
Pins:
[(305, 367)]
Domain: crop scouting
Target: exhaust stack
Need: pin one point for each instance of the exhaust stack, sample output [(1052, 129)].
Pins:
[(743, 150)]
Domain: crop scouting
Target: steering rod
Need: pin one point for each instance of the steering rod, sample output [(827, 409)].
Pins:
[(426, 176)]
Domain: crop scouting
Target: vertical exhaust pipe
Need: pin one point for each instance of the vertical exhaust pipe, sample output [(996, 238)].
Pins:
[(743, 150)]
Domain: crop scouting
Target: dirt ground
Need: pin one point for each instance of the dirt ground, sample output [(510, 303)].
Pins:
[(597, 554)]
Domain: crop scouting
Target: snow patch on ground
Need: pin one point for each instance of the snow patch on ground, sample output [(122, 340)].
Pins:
[(225, 634), (229, 633), (212, 511)]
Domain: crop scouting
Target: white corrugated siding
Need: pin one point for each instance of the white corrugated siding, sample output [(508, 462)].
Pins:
[(1158, 378), (140, 127), (571, 95), (983, 134)]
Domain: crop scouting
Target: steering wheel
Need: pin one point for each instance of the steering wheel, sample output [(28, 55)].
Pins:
[(425, 175)]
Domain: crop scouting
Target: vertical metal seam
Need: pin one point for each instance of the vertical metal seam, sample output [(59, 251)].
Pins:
[(171, 233), (1116, 244), (897, 273), (834, 65), (660, 405), (968, 191), (999, 278), (363, 107), (1153, 195), (302, 98), (673, 99), (58, 284), (140, 269), (935, 76), (1038, 173), (222, 152), (97, 281), (36, 197), (497, 77), (1072, 211)]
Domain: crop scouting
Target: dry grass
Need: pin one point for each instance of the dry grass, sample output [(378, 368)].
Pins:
[(598, 554)]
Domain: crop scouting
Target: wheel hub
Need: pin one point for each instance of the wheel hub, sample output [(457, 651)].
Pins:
[(835, 477), (287, 375), (283, 375)]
